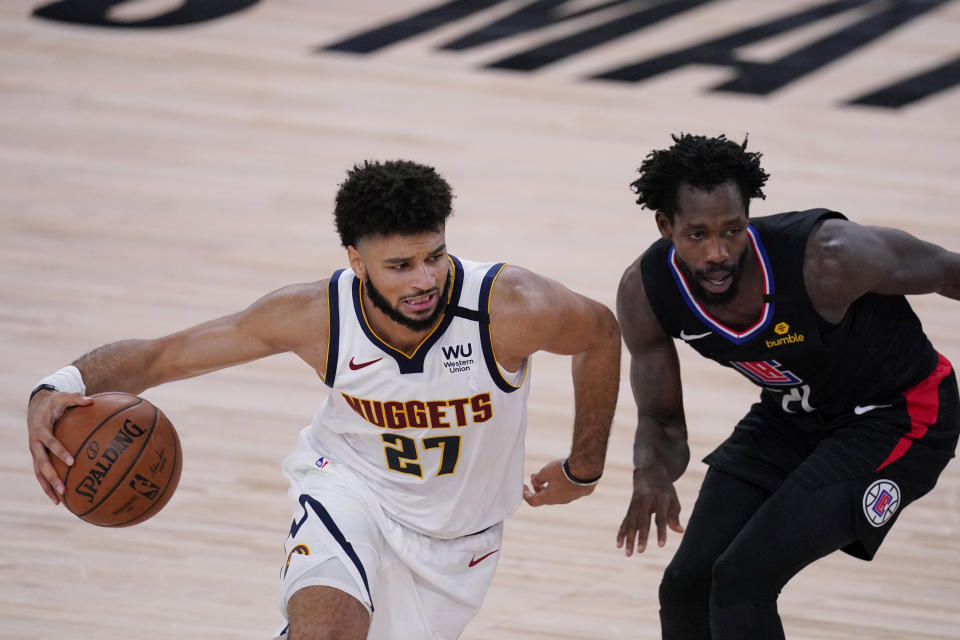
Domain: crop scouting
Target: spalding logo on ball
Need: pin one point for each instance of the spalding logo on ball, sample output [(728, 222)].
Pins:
[(127, 459), (880, 501)]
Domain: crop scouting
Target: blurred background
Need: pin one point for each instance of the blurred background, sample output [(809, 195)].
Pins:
[(163, 162)]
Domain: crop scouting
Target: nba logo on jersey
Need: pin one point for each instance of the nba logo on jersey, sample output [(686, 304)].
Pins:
[(880, 501), (322, 462)]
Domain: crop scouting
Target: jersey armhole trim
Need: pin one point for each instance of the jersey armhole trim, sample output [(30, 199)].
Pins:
[(486, 342), (333, 332)]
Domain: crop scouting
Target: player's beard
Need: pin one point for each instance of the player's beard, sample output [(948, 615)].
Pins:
[(735, 271), (414, 324)]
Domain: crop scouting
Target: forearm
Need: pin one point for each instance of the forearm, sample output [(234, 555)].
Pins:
[(951, 281), (127, 365), (596, 382), (661, 447)]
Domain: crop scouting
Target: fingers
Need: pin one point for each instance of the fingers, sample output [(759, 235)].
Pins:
[(549, 486), (643, 532), (531, 498), (625, 539), (673, 519), (56, 448), (661, 520), (41, 417), (528, 495), (635, 526), (45, 473), (537, 481), (540, 494)]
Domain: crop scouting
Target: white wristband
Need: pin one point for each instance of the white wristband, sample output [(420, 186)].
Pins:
[(67, 379)]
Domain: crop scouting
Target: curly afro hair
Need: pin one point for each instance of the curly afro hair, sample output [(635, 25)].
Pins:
[(699, 162), (388, 198)]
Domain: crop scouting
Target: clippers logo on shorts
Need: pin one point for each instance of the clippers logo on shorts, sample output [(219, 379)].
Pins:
[(880, 501), (300, 549), (767, 373)]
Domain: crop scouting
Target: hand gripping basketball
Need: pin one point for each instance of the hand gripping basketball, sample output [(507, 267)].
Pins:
[(127, 459)]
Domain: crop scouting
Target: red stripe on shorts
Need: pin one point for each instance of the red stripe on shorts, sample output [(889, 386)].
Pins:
[(923, 405)]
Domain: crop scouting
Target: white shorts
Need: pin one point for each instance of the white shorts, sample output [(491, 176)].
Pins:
[(416, 587)]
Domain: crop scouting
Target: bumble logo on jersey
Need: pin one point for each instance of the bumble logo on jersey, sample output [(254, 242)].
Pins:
[(783, 329), (432, 414)]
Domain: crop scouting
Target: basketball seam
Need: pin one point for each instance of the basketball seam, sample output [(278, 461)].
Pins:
[(159, 500), (83, 444), (130, 466)]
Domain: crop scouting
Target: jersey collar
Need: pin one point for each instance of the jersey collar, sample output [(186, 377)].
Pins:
[(413, 362), (766, 315)]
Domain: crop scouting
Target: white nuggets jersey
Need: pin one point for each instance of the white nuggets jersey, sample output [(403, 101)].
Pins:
[(439, 434)]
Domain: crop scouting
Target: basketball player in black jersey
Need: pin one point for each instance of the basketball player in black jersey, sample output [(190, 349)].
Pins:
[(858, 414)]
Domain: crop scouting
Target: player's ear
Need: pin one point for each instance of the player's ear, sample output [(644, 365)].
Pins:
[(356, 261), (664, 225)]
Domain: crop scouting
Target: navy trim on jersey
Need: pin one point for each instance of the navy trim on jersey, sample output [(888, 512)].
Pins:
[(414, 363), (335, 532), (766, 270), (470, 314), (333, 341), (486, 344)]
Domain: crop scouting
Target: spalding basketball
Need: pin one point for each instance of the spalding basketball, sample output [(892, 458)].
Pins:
[(126, 459)]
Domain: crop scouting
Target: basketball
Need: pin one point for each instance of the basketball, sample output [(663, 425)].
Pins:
[(127, 459)]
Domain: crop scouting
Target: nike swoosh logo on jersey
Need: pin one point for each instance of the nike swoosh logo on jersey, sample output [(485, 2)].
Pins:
[(355, 366), (862, 409), (690, 336), (475, 560)]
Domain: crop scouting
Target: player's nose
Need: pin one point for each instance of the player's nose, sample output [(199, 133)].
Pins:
[(421, 277), (716, 251)]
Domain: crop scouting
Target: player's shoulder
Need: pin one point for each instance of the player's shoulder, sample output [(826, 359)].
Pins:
[(838, 244), (651, 264), (522, 295), (303, 292), (294, 300), (794, 222), (518, 288), (631, 282)]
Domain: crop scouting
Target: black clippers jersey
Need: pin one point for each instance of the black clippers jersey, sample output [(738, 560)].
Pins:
[(803, 363)]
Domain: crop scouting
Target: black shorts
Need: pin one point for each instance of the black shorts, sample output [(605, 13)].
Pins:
[(890, 451)]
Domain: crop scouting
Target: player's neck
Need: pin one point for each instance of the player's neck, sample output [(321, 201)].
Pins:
[(393, 333)]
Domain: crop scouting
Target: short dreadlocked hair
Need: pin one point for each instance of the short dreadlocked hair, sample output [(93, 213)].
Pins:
[(699, 162), (393, 197)]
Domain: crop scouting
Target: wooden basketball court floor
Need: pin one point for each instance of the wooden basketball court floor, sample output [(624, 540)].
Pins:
[(151, 178)]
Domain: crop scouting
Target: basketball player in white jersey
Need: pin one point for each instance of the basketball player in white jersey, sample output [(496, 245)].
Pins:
[(415, 457)]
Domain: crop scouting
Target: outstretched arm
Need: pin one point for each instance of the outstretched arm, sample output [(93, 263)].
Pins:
[(845, 260), (660, 451), (291, 319), (531, 313)]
